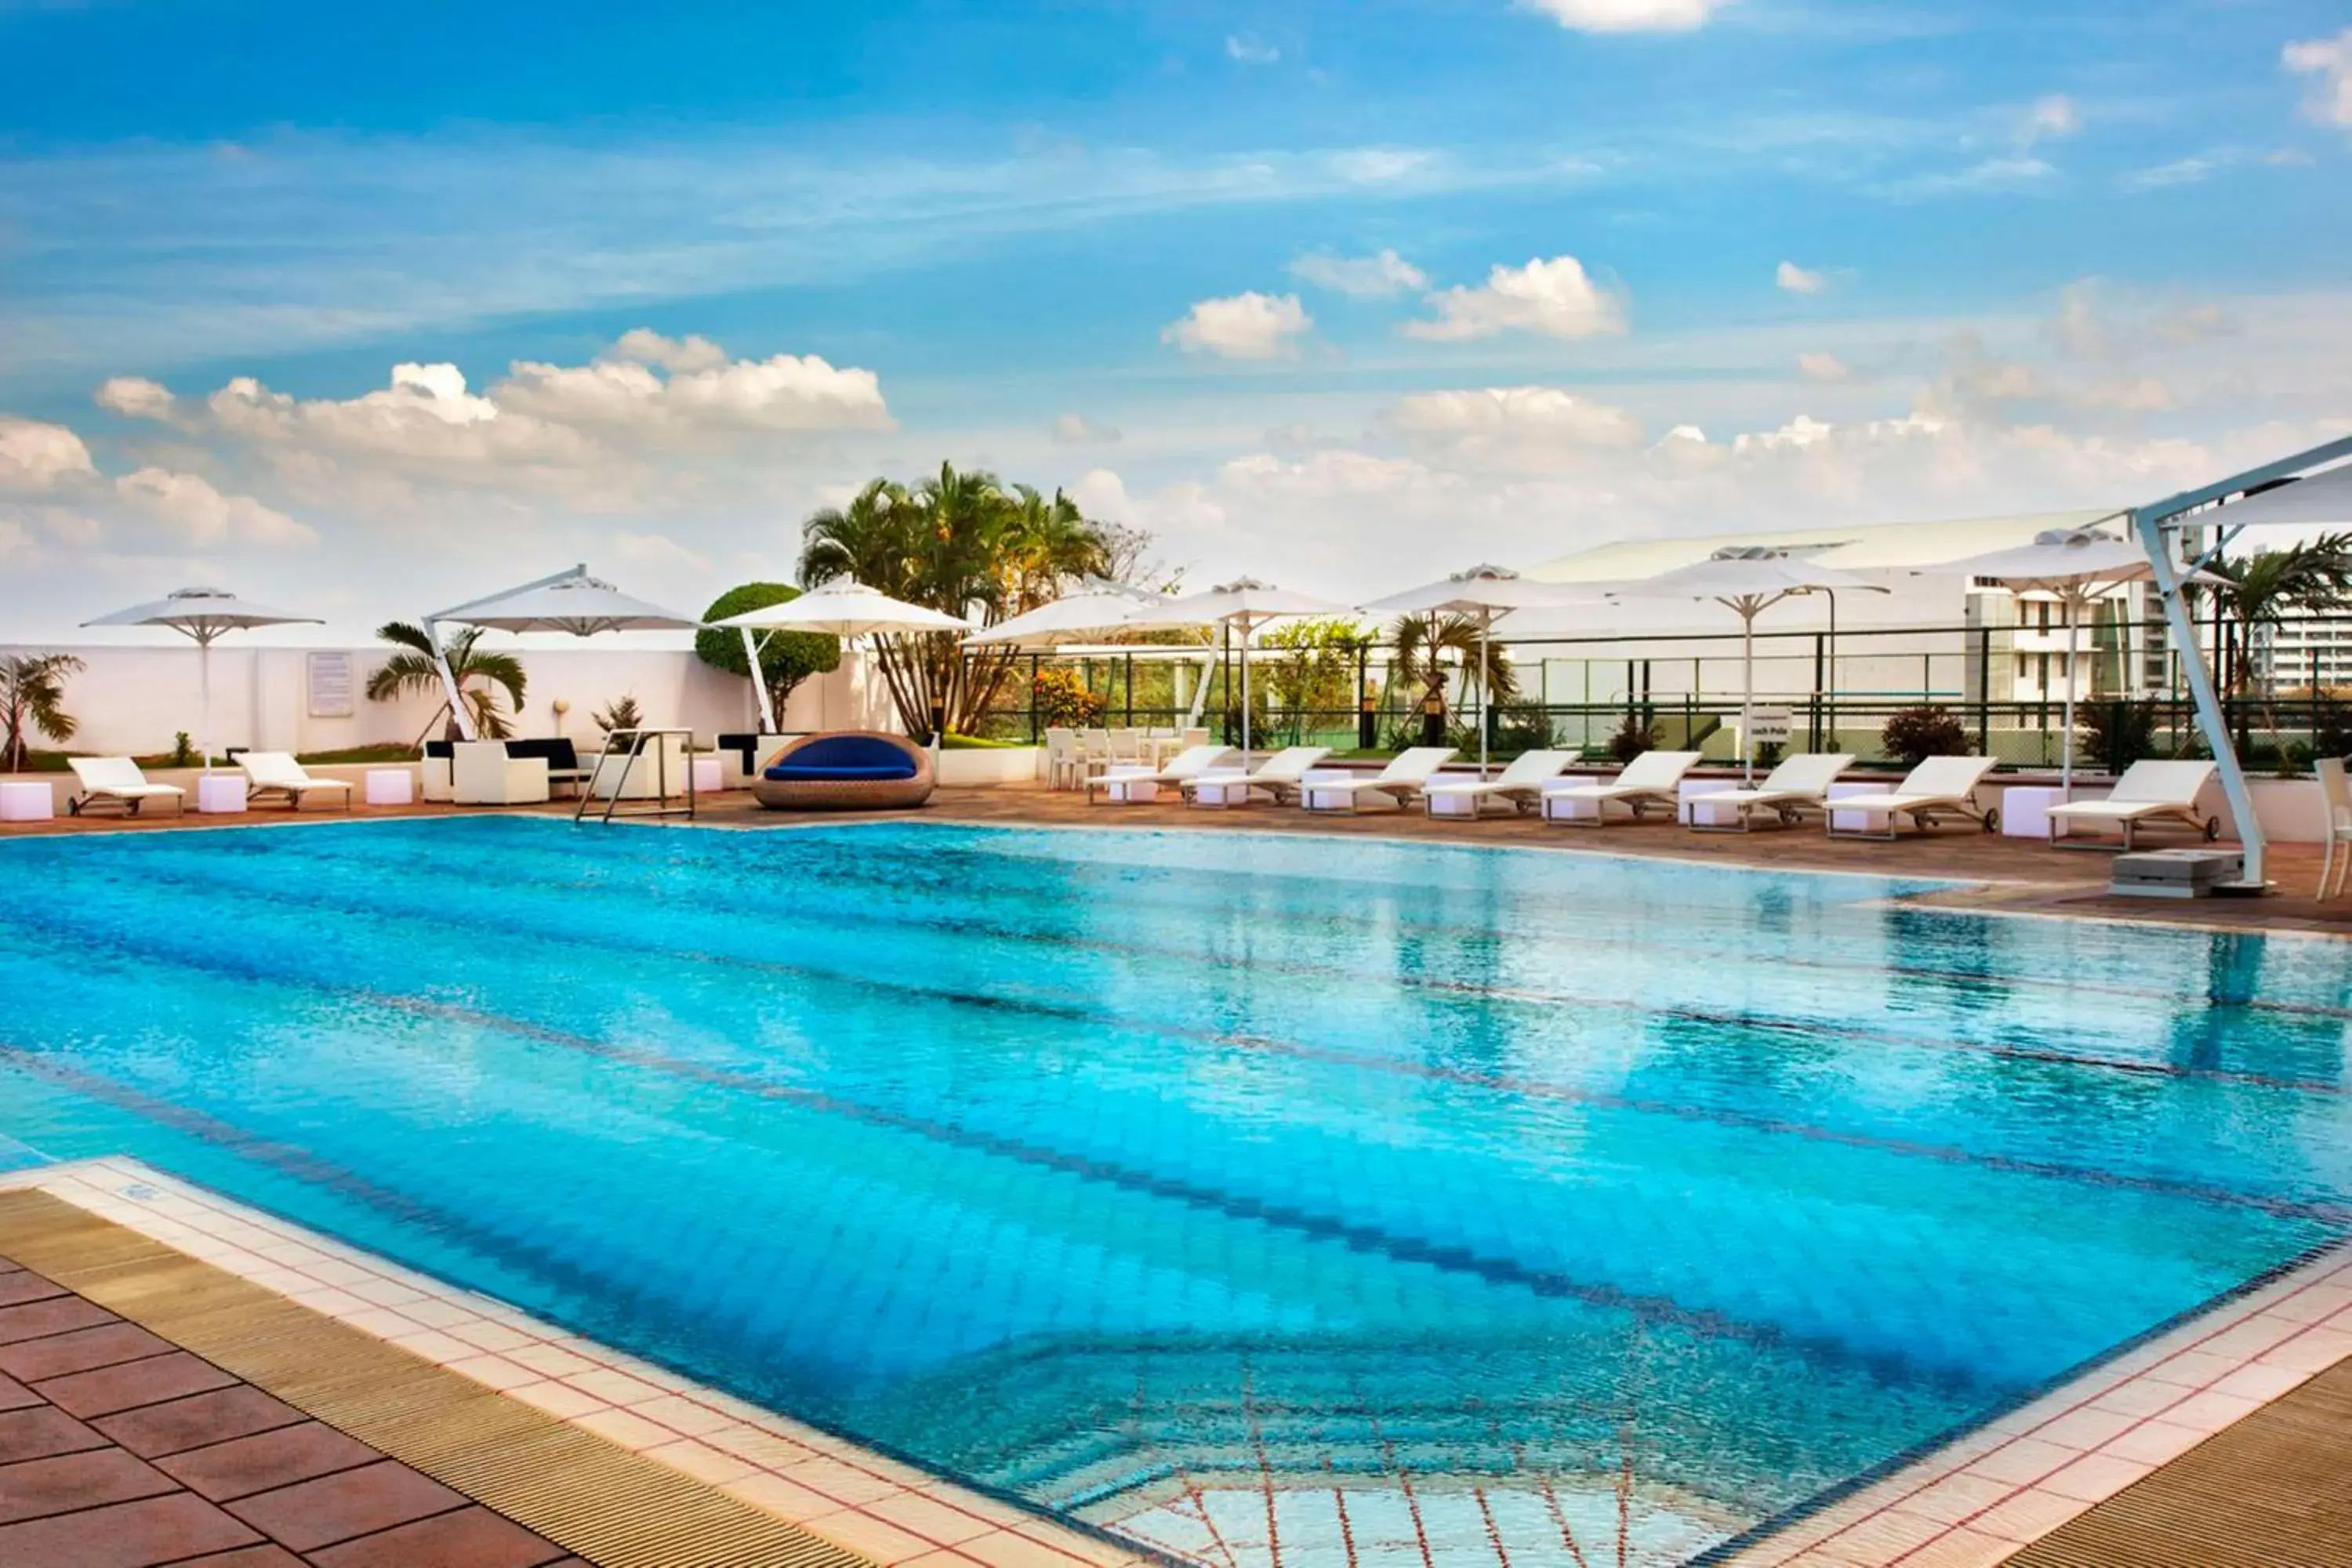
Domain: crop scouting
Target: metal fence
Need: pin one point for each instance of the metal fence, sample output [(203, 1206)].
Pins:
[(2004, 684)]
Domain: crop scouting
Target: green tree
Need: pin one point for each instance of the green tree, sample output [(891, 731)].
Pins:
[(962, 542), (786, 658), (481, 675), (1316, 673), (2314, 577), (33, 697), (1422, 642)]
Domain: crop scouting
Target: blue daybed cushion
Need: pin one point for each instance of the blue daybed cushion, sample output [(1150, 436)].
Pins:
[(845, 757)]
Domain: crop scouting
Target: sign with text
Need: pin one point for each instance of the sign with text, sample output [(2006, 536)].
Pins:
[(331, 685), (1768, 726)]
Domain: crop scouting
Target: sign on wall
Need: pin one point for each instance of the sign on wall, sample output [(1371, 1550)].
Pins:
[(1769, 726), (331, 685)]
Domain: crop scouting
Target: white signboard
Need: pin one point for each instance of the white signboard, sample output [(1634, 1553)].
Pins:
[(1768, 726), (331, 685)]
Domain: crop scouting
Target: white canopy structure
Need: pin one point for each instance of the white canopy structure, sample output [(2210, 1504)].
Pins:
[(569, 601), (1245, 603), (1485, 592), (202, 615), (844, 607), (2303, 489), (1075, 618), (2075, 566), (1748, 582)]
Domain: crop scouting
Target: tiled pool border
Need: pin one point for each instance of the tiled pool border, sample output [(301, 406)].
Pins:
[(878, 1507)]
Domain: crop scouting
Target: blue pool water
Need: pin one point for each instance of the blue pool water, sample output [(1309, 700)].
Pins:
[(1072, 1162)]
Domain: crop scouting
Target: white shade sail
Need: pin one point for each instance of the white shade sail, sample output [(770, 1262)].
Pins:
[(1245, 601), (846, 607), (1073, 618), (202, 615), (2324, 498), (1487, 593), (571, 602)]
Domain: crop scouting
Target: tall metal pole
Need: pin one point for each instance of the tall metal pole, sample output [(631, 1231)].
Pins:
[(758, 687), (2066, 735), (2150, 523)]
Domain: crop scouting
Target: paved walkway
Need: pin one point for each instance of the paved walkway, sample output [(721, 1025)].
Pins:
[(118, 1449)]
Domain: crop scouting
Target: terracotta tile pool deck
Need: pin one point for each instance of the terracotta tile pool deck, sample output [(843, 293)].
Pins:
[(2203, 1448)]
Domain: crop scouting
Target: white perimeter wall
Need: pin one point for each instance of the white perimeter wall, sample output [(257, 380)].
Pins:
[(132, 699)]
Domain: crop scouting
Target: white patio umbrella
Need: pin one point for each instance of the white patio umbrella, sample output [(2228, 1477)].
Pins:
[(2075, 566), (1487, 593), (845, 608), (203, 613), (1246, 603), (1748, 581), (1075, 618), (570, 601)]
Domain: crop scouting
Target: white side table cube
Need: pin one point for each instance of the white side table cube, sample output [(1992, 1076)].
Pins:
[(710, 775), (1129, 784), (2025, 810), (1453, 802), (1566, 808), (1690, 788), (1220, 787), (220, 795), (1857, 821), (28, 800), (391, 786)]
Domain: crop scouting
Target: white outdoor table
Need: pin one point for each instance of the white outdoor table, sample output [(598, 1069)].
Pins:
[(710, 775), (2025, 809), (25, 800), (391, 786), (1323, 800), (1220, 788), (220, 795)]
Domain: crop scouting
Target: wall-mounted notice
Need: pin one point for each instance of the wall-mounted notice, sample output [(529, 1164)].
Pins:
[(331, 685)]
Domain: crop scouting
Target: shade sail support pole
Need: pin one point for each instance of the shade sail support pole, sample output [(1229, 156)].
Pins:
[(2149, 522)]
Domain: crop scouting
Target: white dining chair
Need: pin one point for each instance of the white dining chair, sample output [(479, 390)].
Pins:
[(2336, 806)]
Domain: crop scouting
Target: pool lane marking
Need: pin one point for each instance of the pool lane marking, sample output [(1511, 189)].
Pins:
[(235, 964), (643, 882), (397, 910)]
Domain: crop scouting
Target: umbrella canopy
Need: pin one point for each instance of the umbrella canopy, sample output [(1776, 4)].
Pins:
[(1485, 592), (2075, 566), (567, 602), (1246, 603), (202, 615), (846, 608), (1073, 618), (1749, 582)]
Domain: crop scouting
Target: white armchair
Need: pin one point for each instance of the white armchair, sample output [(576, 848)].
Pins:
[(481, 774)]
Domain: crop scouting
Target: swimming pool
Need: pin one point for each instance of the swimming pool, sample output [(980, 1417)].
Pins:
[(1111, 1169)]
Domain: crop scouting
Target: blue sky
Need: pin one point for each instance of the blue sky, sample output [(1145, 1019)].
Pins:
[(1654, 266)]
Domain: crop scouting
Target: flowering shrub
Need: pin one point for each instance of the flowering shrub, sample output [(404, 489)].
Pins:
[(1062, 700)]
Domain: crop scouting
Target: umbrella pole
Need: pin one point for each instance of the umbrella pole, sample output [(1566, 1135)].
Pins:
[(204, 699), (2066, 740), (1246, 695), (1747, 695), (1486, 697), (760, 687)]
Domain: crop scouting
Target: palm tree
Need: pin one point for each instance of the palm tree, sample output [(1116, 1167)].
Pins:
[(1423, 641), (2314, 577), (480, 675), (33, 695), (962, 543)]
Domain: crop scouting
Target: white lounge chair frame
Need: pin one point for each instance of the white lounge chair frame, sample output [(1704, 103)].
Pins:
[(1939, 789), (1797, 788), (1520, 786), (117, 781), (1279, 775), (277, 773), (1653, 778), (1188, 764), (2148, 791), (1399, 783)]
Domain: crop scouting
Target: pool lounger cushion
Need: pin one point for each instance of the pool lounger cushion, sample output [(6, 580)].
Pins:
[(852, 770)]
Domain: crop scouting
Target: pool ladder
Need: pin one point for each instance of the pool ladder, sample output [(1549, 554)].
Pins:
[(628, 746)]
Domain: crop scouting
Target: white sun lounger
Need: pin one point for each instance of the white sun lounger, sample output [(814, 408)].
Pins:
[(1279, 775), (1938, 787), (277, 773), (1187, 764), (1798, 785), (1651, 779), (118, 781), (1515, 786), (2149, 792), (1397, 783)]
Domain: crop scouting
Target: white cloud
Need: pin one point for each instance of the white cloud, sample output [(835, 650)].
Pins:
[(1251, 326), (1554, 299), (1796, 280), (1991, 176), (1628, 15), (1362, 277), (657, 550), (1824, 367), (194, 513), (2048, 119), (1078, 430), (1511, 427), (692, 353), (136, 397), (1250, 50), (1379, 165), (37, 456), (2329, 62), (786, 392)]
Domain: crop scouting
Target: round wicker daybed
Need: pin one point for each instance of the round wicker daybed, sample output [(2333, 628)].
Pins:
[(848, 770)]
